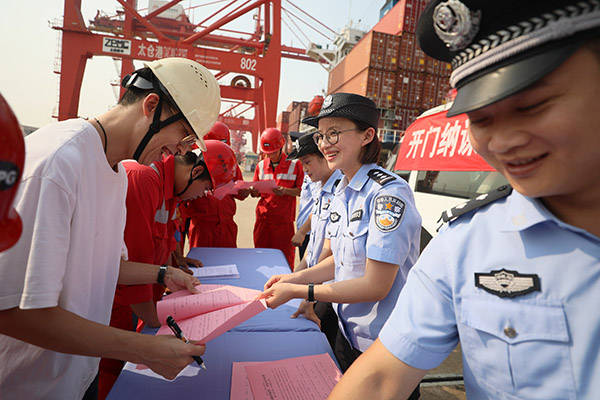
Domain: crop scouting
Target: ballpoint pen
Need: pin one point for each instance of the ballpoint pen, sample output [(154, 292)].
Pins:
[(177, 331)]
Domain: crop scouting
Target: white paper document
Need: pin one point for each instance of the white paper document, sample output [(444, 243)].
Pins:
[(217, 272)]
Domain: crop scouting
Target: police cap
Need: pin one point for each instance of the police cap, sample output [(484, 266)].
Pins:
[(303, 146), (499, 47), (347, 105)]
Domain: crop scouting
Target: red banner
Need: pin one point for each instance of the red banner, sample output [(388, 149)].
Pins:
[(437, 143)]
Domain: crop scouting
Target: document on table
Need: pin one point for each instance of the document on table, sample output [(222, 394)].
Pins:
[(217, 272), (183, 304), (308, 377), (205, 327)]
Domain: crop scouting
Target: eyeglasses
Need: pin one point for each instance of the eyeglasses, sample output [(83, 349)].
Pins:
[(332, 136)]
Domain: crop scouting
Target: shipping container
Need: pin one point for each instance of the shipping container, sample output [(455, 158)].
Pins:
[(391, 53), (406, 116), (409, 88), (402, 17), (283, 121), (388, 87), (429, 91), (443, 90), (297, 113), (370, 52)]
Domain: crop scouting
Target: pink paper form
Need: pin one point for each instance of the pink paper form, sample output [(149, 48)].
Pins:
[(203, 328), (183, 304), (301, 378), (265, 186)]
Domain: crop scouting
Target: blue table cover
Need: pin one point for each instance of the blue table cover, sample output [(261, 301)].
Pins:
[(215, 382), (256, 266)]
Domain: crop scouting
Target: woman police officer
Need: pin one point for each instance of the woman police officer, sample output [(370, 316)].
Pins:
[(374, 230)]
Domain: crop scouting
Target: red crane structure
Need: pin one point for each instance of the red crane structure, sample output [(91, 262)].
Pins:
[(161, 32)]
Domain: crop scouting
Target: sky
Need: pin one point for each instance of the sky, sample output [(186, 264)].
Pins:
[(30, 47)]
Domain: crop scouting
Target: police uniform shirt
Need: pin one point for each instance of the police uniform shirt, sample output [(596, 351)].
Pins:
[(307, 195), (520, 288), (372, 216), (320, 217)]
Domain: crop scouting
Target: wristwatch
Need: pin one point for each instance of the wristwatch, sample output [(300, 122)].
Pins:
[(161, 275), (311, 293)]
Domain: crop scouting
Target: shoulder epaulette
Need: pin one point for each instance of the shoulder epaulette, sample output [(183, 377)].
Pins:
[(477, 202), (380, 176)]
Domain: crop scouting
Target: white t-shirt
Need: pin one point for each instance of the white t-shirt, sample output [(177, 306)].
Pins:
[(73, 209)]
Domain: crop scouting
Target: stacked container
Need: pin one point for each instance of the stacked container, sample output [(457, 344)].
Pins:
[(388, 66), (297, 111)]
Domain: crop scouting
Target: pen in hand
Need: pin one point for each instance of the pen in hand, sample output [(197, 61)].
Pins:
[(177, 331)]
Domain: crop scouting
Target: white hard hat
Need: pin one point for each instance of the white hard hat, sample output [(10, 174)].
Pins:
[(193, 88)]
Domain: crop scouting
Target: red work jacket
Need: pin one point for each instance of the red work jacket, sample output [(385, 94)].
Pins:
[(289, 174), (149, 229), (208, 211)]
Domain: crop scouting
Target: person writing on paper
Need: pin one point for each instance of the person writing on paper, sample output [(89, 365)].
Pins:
[(324, 181), (152, 194), (210, 219), (514, 275), (373, 231), (57, 283), (275, 213)]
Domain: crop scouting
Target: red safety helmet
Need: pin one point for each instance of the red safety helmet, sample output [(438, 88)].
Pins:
[(12, 159), (271, 140), (220, 162), (219, 131)]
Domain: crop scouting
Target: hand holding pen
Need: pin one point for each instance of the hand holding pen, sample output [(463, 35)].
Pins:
[(179, 334)]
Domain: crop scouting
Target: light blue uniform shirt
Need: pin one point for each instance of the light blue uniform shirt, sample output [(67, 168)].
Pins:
[(306, 201), (320, 217), (377, 221), (544, 344)]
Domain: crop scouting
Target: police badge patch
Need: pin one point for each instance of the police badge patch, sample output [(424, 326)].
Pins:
[(388, 212), (506, 283), (334, 217)]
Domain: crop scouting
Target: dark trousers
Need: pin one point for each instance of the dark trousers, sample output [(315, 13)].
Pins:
[(346, 354), (329, 321), (92, 391), (303, 246)]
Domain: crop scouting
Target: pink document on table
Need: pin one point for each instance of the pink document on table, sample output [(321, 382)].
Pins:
[(265, 186), (240, 387), (210, 298), (309, 377), (205, 327), (216, 309)]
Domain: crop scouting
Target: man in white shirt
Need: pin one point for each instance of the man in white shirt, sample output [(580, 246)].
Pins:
[(57, 283)]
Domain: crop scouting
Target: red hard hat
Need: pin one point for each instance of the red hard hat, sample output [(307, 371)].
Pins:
[(12, 159), (271, 140), (220, 162), (219, 131)]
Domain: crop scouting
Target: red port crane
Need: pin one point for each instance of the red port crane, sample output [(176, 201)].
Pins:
[(159, 33)]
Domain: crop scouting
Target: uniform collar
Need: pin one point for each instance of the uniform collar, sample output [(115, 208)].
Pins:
[(361, 177), (525, 212), (329, 185), (282, 161)]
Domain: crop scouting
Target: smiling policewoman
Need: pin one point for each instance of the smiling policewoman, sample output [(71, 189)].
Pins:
[(373, 231)]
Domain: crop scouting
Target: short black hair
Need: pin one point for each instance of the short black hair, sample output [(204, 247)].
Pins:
[(191, 159)]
